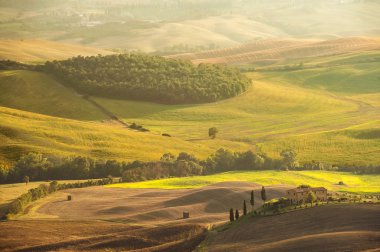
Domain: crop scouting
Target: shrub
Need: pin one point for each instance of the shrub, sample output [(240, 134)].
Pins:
[(16, 207)]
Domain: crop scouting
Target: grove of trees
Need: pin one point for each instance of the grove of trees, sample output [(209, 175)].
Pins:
[(148, 78)]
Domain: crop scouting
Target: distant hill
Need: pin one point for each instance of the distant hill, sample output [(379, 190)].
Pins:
[(33, 50), (276, 50), (152, 26)]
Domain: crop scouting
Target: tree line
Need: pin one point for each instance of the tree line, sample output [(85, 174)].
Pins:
[(41, 167), (18, 205), (148, 78)]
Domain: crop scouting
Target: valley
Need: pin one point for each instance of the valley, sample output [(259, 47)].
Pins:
[(189, 125)]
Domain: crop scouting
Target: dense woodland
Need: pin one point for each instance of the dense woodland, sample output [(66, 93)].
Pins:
[(148, 78), (39, 167)]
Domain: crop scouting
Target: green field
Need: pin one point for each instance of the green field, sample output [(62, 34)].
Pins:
[(278, 113), (22, 132), (39, 93), (315, 111), (353, 183)]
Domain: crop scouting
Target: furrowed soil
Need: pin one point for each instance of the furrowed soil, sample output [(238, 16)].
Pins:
[(324, 228)]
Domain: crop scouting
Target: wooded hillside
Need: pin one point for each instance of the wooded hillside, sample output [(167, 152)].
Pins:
[(148, 78)]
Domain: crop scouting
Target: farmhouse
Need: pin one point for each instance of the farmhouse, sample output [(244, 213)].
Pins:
[(299, 195)]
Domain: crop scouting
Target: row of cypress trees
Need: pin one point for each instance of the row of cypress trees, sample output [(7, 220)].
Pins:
[(234, 215)]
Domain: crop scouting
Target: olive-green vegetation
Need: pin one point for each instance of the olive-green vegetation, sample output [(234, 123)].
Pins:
[(149, 78), (353, 182)]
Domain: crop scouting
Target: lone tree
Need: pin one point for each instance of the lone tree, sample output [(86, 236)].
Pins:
[(232, 217), (244, 208), (237, 214), (263, 194), (212, 132), (311, 198), (252, 199), (26, 180)]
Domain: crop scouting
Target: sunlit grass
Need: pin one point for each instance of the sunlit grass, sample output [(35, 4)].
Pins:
[(34, 50), (330, 180), (273, 115), (278, 112), (22, 132)]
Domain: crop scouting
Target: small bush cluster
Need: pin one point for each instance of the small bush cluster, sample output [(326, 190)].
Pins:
[(13, 65), (276, 205), (138, 127)]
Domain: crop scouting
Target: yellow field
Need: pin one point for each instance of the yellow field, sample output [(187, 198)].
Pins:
[(277, 50), (329, 180), (22, 132), (42, 50)]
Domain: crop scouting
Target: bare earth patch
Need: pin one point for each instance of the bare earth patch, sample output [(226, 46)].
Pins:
[(116, 219)]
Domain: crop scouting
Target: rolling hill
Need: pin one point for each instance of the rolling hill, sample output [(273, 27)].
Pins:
[(320, 111), (277, 50), (39, 93), (273, 115), (150, 26), (327, 228), (22, 132), (37, 50)]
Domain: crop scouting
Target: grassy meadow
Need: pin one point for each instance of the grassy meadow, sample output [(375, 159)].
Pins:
[(22, 132), (275, 114), (39, 93), (281, 110), (353, 183)]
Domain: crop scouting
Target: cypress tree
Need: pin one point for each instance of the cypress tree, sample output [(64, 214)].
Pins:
[(244, 208), (263, 194), (252, 199), (232, 215), (237, 214)]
